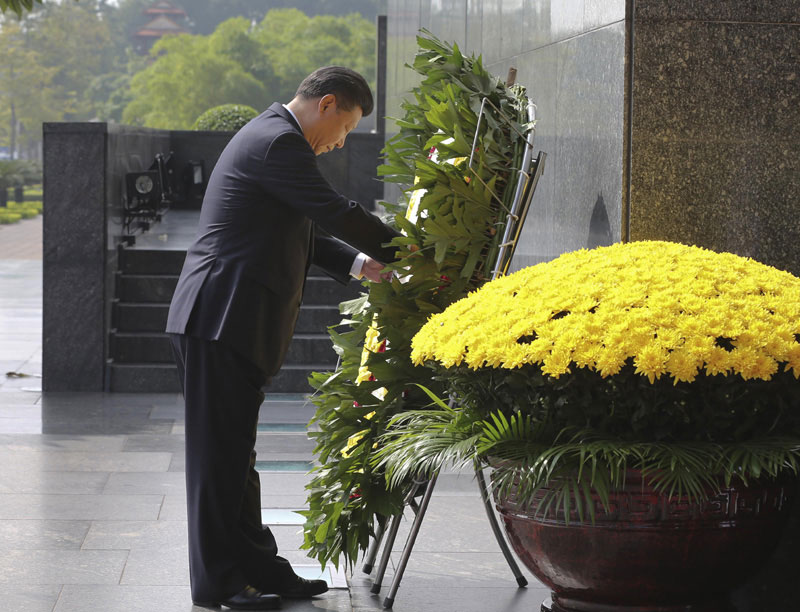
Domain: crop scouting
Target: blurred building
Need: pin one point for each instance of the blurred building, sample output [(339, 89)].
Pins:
[(163, 18)]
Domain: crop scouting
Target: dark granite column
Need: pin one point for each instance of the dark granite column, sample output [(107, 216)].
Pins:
[(716, 126), (73, 332), (380, 89)]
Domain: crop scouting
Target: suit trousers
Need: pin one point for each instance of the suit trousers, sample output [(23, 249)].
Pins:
[(229, 547)]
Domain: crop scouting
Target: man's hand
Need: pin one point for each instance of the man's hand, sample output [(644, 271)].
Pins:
[(373, 271)]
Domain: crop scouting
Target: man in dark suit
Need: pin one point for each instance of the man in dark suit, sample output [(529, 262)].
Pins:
[(267, 215)]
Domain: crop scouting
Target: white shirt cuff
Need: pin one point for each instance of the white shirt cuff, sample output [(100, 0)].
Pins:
[(358, 264)]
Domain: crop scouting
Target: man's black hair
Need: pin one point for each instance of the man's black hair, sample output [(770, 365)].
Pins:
[(347, 85)]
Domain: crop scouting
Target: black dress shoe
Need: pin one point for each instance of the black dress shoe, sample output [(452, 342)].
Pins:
[(300, 588), (248, 599)]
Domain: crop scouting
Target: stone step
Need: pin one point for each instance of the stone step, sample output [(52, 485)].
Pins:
[(151, 261), (323, 290), (150, 288), (152, 317), (140, 317), (155, 348), (163, 378), (146, 288), (316, 318)]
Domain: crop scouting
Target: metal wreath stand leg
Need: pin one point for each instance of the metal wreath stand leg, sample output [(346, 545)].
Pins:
[(529, 174)]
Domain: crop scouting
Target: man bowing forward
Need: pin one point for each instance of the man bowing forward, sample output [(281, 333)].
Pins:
[(267, 215)]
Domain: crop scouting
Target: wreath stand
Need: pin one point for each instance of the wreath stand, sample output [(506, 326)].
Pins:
[(529, 174)]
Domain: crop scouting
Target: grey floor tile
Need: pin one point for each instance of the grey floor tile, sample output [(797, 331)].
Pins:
[(41, 442), (454, 570), (174, 412), (170, 443), (282, 411), (80, 598), (104, 425), (62, 566), (80, 507), (20, 411), (413, 598), (128, 535), (33, 481), (168, 566), (25, 598), (92, 399), (292, 502), (20, 534), (462, 483), (23, 383), (83, 461), (332, 601), (288, 537), (178, 463), (77, 598), (146, 483), (23, 425), (452, 523), (173, 508), (284, 483), (19, 398)]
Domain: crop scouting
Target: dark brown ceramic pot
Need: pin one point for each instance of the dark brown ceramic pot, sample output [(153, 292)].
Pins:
[(649, 553)]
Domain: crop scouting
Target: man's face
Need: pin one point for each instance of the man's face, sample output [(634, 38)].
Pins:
[(333, 125)]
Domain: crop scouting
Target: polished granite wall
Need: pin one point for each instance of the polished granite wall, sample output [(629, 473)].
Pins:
[(704, 150), (571, 56), (716, 126)]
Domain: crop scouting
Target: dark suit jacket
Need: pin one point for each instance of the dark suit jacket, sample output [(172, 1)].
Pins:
[(243, 278)]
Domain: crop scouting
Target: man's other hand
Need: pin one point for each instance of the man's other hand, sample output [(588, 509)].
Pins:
[(373, 270)]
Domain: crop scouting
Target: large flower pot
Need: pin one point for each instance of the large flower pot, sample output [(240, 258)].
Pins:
[(649, 553)]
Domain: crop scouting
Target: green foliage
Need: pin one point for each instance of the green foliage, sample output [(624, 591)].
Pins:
[(18, 6), (74, 61), (18, 173), (230, 117), (207, 14), (7, 216), (187, 77), (455, 233), (295, 45), (547, 468), (27, 210), (578, 434), (243, 64), (50, 57), (74, 41), (626, 406)]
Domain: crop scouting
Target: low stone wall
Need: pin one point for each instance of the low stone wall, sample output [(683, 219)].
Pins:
[(84, 190)]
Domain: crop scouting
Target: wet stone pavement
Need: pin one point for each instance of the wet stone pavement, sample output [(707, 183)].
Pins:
[(92, 498)]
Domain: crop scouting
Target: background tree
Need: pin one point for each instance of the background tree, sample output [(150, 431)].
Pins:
[(17, 5), (75, 60), (205, 15), (188, 77), (297, 44), (72, 39), (27, 95), (243, 63)]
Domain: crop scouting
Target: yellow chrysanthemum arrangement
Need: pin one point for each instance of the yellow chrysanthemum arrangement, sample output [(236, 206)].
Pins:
[(674, 360), (672, 310)]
